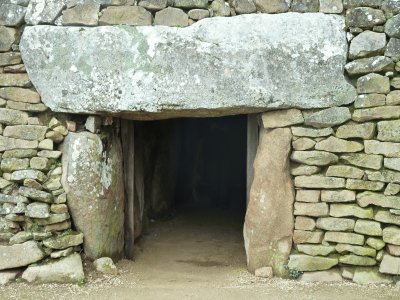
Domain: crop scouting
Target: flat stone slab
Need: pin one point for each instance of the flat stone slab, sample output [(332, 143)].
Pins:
[(218, 66)]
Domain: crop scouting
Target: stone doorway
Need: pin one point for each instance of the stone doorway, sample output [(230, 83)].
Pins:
[(189, 176)]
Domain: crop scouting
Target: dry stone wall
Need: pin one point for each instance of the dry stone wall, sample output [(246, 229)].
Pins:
[(345, 160)]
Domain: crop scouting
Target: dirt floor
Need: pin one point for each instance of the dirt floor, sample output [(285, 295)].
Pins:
[(192, 257)]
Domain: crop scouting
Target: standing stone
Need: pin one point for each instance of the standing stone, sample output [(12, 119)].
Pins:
[(125, 15), (170, 16), (367, 43), (64, 270), (20, 255), (282, 118), (328, 117), (373, 83), (268, 240), (92, 178)]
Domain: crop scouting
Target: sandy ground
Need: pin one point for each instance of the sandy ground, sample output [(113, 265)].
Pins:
[(192, 257)]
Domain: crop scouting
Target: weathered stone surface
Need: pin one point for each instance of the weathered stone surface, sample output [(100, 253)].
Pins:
[(83, 14), (18, 80), (64, 270), (9, 165), (12, 199), (154, 69), (367, 43), (356, 260), (243, 6), (393, 98), (333, 144), (345, 171), (35, 194), (390, 265), (171, 16), (335, 224), (354, 184), (268, 241), (364, 17), (272, 6), (344, 237), (364, 131), (392, 189), (316, 181), (8, 276), (368, 227), (384, 176), (358, 250), (198, 14), (19, 153), (20, 175), (37, 210), (303, 143), (332, 275), (220, 8), (311, 209), (392, 49), (125, 15), (21, 237), (369, 65), (315, 250), (304, 170), (311, 263), (9, 58), (389, 131), (391, 7), (386, 148), (338, 196), (391, 235), (370, 275), (308, 195), (19, 94), (307, 237), (385, 216), (20, 255), (7, 38), (328, 117), (12, 117), (370, 161), (377, 199), (373, 83), (392, 27), (153, 4), (349, 210), (311, 132), (11, 14), (372, 100), (43, 12), (393, 250), (105, 265), (305, 6), (264, 272), (64, 241), (94, 186), (392, 163), (39, 107), (25, 132), (282, 118), (304, 223), (11, 144), (377, 244), (316, 158), (330, 6)]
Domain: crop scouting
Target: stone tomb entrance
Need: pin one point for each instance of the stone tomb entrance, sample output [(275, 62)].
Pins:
[(189, 189)]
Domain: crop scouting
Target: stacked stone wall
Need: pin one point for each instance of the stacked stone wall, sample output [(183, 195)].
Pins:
[(345, 160)]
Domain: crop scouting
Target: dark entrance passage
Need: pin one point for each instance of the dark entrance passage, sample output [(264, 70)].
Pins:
[(190, 190)]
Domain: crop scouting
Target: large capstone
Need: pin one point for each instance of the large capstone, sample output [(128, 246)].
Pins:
[(269, 221), (218, 66), (93, 180)]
